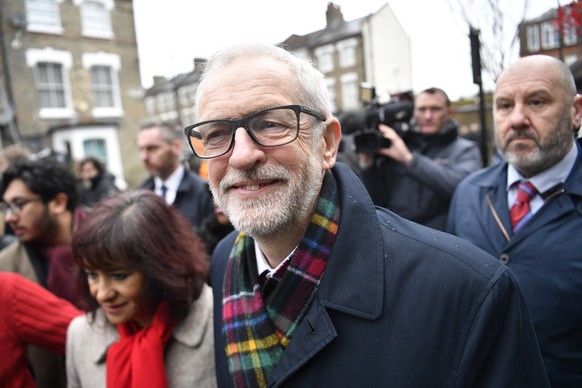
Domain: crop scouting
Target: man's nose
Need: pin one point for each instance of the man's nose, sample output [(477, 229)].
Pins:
[(245, 152), (427, 114), (518, 116), (10, 216)]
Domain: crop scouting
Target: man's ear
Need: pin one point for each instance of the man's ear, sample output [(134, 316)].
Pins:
[(577, 112), (331, 138), (58, 204)]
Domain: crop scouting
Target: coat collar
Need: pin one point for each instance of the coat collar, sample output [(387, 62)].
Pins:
[(354, 277)]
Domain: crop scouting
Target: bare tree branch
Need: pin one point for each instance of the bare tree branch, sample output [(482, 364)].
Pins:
[(498, 22)]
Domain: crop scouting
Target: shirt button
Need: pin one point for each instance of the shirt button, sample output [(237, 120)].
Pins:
[(504, 258)]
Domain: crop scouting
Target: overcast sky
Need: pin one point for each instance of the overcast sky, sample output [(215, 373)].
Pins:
[(171, 33)]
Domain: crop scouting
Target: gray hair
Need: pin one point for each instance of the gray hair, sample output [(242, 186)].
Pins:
[(308, 83)]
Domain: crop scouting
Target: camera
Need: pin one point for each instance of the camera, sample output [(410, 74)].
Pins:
[(396, 113)]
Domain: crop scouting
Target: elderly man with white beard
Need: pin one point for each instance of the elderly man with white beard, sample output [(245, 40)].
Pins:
[(317, 287)]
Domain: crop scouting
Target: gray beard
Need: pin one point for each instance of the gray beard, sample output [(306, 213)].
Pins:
[(282, 211)]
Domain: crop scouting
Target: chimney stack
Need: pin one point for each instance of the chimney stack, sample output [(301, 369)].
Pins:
[(333, 15)]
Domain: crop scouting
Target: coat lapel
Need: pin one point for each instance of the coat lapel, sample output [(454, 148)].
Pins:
[(557, 206), (312, 335), (495, 208), (353, 282)]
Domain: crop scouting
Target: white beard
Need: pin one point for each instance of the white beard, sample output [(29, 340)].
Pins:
[(280, 211)]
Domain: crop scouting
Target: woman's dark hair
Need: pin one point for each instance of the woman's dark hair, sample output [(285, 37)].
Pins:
[(95, 162), (138, 230)]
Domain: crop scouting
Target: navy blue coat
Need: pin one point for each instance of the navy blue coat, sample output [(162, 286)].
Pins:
[(545, 256), (401, 305), (193, 199)]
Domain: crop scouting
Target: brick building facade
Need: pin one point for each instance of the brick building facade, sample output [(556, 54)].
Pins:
[(70, 75)]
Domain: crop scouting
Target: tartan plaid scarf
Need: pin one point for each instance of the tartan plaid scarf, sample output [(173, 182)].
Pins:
[(257, 329)]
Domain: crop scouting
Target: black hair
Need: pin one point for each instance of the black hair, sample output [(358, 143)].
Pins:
[(45, 177)]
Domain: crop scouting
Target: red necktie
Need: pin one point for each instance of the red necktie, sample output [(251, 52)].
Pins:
[(520, 212)]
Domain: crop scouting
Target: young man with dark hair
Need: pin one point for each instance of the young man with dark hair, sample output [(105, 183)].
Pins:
[(39, 203)]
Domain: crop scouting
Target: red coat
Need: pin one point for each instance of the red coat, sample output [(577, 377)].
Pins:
[(29, 315)]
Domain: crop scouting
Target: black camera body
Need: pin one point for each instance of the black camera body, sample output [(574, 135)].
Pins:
[(364, 123)]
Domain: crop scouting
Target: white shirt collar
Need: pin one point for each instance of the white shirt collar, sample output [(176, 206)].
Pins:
[(172, 184), (549, 178), (262, 263)]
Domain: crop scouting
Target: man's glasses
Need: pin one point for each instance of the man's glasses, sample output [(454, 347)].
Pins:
[(271, 127), (16, 207)]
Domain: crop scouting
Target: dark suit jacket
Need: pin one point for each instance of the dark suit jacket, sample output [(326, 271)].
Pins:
[(401, 305), (193, 199)]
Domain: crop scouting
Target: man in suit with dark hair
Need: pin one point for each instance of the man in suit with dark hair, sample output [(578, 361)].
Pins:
[(160, 149)]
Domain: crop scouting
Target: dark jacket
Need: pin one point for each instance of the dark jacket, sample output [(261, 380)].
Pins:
[(422, 191), (401, 305), (101, 186), (193, 199), (545, 256)]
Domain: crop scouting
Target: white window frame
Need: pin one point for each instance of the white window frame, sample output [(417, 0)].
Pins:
[(550, 36), (150, 105), (533, 37), (184, 95), (112, 61), (188, 116), (324, 56), (160, 102), (350, 91), (170, 98), (104, 31), (51, 9), (347, 52), (330, 82), (570, 35), (65, 59), (76, 138)]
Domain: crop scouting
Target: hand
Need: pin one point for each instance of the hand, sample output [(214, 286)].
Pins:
[(398, 150)]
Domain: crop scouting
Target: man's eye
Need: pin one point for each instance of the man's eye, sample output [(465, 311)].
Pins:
[(537, 102), (216, 134), (212, 134), (270, 124)]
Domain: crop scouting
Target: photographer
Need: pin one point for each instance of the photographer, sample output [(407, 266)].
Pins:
[(416, 172)]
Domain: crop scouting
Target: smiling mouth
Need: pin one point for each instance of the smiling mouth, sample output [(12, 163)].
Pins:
[(113, 309), (254, 186)]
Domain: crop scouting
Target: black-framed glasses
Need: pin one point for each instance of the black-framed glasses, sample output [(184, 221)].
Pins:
[(270, 127), (17, 206)]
